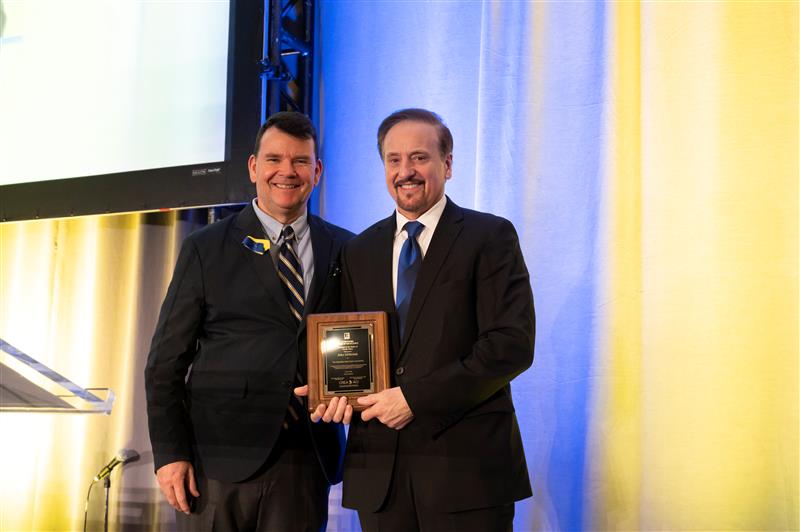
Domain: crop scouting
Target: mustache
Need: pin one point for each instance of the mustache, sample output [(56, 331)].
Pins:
[(408, 181)]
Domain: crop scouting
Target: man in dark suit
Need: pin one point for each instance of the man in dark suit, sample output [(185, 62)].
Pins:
[(232, 447), (441, 449)]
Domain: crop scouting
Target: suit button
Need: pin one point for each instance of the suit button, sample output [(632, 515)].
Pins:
[(400, 371)]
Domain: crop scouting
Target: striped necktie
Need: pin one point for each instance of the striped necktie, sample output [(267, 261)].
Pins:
[(408, 265), (290, 272)]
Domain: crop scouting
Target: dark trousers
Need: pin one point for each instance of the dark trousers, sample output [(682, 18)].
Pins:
[(404, 511), (288, 493)]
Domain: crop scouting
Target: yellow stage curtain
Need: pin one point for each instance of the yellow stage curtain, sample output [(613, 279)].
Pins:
[(82, 296), (697, 421)]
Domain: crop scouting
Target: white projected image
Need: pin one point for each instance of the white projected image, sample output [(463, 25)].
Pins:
[(91, 87)]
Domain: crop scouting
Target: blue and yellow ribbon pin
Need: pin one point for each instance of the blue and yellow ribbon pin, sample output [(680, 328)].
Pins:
[(256, 245)]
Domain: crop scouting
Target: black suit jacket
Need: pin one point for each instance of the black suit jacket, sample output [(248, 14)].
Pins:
[(226, 315), (469, 332)]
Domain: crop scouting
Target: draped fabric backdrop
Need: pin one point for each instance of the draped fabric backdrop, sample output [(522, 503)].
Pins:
[(648, 156), (82, 297)]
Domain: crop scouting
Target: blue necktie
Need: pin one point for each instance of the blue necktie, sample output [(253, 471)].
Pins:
[(408, 266)]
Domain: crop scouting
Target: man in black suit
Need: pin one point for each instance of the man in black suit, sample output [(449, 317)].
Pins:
[(441, 449), (232, 447)]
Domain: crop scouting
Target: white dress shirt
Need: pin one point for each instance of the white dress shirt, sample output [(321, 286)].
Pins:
[(302, 232)]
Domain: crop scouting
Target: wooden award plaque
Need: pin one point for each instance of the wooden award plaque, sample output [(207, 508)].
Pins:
[(348, 355)]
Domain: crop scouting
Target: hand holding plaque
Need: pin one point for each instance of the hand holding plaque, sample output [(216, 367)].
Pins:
[(348, 356)]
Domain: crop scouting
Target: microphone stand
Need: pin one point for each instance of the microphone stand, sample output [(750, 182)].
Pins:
[(123, 457), (107, 485)]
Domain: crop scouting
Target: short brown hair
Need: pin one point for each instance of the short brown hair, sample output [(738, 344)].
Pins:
[(295, 124), (417, 115)]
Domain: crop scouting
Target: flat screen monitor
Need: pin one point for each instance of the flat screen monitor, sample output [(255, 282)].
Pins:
[(126, 105)]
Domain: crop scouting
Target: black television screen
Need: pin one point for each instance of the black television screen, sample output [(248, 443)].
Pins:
[(126, 106)]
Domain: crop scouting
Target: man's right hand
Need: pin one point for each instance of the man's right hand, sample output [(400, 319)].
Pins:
[(173, 479)]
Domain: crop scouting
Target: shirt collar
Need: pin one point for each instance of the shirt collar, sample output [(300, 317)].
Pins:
[(272, 227), (430, 219)]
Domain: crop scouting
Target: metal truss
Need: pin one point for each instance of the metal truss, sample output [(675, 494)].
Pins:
[(287, 68)]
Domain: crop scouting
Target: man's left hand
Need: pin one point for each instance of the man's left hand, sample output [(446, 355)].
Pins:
[(338, 411), (389, 406)]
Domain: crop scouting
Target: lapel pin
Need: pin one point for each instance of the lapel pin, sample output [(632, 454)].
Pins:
[(256, 245)]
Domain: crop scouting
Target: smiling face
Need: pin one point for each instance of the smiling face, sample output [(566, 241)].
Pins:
[(285, 171), (415, 169)]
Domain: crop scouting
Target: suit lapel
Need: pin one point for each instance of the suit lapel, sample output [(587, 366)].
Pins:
[(383, 260), (247, 224), (382, 280), (447, 230), (322, 244)]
